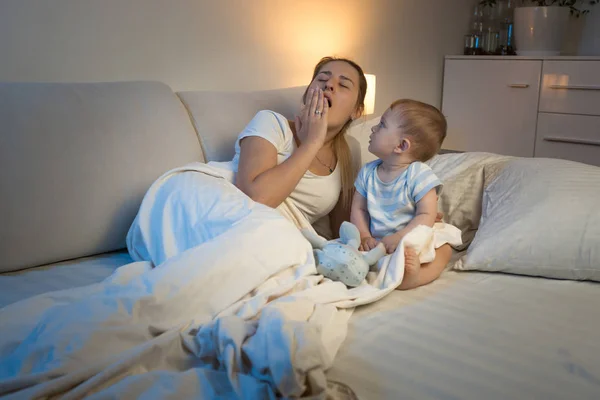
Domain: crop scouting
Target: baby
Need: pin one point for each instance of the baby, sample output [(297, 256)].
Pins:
[(398, 192)]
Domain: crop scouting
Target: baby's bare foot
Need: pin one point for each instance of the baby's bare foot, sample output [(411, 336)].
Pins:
[(411, 263)]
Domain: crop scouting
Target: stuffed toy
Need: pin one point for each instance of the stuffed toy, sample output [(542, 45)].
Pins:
[(340, 260)]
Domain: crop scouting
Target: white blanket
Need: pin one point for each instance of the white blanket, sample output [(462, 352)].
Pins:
[(227, 309)]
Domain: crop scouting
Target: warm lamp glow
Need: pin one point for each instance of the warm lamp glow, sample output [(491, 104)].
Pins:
[(370, 96)]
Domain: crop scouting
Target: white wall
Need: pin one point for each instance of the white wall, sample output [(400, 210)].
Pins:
[(583, 35), (590, 37), (231, 44)]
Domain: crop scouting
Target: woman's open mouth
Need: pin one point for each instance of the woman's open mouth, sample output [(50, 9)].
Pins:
[(328, 98)]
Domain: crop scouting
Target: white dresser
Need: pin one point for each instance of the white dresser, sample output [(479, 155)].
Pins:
[(523, 106)]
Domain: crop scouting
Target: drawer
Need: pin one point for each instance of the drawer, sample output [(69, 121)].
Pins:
[(570, 137), (571, 87), (491, 105)]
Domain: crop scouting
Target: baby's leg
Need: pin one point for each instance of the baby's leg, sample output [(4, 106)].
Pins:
[(416, 275)]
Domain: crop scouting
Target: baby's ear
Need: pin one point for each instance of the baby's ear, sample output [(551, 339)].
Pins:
[(403, 147)]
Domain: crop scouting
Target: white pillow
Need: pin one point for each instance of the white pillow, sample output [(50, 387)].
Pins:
[(540, 217), (361, 130)]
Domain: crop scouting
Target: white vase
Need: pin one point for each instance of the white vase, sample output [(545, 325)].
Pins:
[(539, 31)]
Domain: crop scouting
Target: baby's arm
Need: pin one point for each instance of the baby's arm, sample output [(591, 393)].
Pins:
[(426, 214), (359, 216)]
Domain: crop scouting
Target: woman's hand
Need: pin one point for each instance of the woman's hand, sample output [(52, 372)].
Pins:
[(311, 124)]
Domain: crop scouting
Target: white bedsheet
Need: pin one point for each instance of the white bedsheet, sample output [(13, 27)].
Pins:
[(242, 313), (476, 336)]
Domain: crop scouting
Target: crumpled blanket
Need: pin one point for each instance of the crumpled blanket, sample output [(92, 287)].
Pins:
[(228, 309)]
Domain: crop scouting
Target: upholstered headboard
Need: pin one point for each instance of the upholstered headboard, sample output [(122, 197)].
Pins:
[(76, 160), (219, 117)]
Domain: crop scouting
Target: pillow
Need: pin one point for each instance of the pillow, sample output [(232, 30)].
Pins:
[(361, 130), (463, 179), (540, 217)]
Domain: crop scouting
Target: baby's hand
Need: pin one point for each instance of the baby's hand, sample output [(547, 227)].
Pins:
[(391, 242), (439, 217), (367, 243)]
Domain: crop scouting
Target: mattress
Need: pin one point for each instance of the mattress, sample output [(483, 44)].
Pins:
[(465, 336), (476, 336), (15, 286)]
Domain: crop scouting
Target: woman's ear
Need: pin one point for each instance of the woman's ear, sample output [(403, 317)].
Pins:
[(357, 113)]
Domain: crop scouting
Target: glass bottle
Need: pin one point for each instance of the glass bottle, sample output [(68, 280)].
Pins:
[(506, 12), (491, 29), (473, 40)]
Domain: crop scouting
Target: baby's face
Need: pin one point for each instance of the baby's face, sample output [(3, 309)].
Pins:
[(387, 135)]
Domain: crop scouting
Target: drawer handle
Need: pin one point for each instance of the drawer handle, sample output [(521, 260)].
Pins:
[(518, 85), (571, 140), (575, 87)]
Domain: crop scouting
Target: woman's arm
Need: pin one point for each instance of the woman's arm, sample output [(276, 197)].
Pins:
[(258, 174), (262, 179)]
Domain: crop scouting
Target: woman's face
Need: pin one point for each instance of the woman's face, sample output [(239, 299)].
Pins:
[(340, 84)]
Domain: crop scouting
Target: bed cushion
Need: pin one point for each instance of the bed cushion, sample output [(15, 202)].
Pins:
[(540, 217), (219, 117), (463, 178), (76, 160), (16, 286), (476, 336)]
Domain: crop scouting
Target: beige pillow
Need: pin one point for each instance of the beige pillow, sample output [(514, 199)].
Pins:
[(463, 177)]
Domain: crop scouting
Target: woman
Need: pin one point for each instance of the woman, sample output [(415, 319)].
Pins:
[(302, 168), (306, 161)]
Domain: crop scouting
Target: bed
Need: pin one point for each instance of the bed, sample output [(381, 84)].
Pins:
[(476, 336), (466, 336), (515, 315)]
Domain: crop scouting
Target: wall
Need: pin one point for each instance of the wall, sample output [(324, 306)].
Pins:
[(590, 38), (231, 44)]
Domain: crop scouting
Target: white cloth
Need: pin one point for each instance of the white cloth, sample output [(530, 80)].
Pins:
[(314, 196), (392, 205), (264, 323)]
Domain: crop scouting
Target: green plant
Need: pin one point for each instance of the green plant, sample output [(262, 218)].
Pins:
[(576, 6)]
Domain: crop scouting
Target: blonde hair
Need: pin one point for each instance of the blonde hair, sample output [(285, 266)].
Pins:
[(340, 144), (425, 124)]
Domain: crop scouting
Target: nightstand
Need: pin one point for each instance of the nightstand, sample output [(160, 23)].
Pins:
[(524, 106)]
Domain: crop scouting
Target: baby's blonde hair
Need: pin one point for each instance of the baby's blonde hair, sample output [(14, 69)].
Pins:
[(425, 125)]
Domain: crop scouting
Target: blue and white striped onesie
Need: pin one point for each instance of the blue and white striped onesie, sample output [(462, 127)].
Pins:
[(392, 205)]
